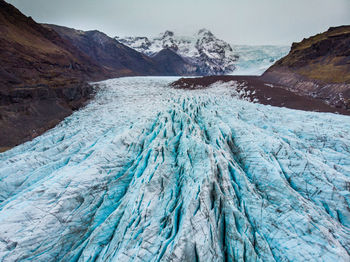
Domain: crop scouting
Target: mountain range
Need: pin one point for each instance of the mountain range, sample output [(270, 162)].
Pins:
[(115, 57), (210, 55)]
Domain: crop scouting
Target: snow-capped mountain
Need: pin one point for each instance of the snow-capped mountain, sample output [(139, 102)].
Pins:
[(209, 54)]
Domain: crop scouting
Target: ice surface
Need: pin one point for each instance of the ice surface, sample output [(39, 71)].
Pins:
[(150, 173), (255, 60)]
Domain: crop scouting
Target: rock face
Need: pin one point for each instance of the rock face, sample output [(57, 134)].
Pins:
[(210, 55), (195, 175), (318, 66)]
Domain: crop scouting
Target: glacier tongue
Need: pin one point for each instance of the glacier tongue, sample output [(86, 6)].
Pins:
[(150, 173)]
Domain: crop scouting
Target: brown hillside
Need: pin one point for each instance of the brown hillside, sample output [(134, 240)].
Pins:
[(31, 54), (318, 66), (42, 77)]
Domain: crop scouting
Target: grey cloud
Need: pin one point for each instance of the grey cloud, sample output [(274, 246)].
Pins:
[(236, 21)]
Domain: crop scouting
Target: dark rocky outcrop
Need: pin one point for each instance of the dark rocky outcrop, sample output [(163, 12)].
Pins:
[(318, 67)]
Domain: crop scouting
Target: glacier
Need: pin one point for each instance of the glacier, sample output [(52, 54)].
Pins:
[(146, 172), (255, 60)]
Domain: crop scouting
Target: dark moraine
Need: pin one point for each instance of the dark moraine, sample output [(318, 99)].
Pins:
[(266, 93)]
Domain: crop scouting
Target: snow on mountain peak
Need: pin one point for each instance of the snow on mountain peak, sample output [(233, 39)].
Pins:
[(204, 32), (137, 43), (208, 53), (168, 33)]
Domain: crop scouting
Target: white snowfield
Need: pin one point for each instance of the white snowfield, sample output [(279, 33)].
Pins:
[(146, 172)]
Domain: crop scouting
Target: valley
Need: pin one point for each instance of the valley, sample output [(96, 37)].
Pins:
[(120, 143)]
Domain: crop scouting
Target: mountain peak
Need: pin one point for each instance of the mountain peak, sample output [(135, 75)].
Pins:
[(204, 32), (167, 33)]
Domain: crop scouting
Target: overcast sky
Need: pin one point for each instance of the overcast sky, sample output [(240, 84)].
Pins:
[(236, 21)]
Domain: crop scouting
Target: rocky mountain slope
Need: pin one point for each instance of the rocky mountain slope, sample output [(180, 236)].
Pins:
[(318, 66), (32, 54), (204, 51), (107, 52), (42, 77)]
